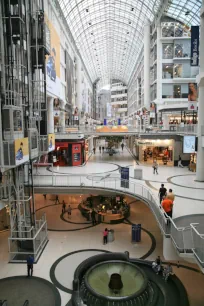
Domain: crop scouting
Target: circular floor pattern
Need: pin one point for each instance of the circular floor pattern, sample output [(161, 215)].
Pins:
[(58, 276), (111, 167), (38, 291), (59, 225), (188, 181)]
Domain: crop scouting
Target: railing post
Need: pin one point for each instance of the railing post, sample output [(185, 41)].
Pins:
[(183, 241)]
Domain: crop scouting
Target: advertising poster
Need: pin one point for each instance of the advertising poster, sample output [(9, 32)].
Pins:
[(53, 61), (189, 143), (21, 150), (69, 77), (51, 142), (192, 96), (56, 104), (194, 45)]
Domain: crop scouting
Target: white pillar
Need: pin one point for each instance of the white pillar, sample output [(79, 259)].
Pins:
[(200, 79), (165, 120), (147, 65), (79, 84), (159, 69), (50, 115), (62, 117)]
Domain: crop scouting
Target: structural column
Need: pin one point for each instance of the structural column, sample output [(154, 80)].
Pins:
[(200, 80), (62, 118), (50, 106), (147, 65)]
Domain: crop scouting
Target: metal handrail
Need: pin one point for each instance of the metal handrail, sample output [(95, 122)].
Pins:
[(177, 129), (182, 237)]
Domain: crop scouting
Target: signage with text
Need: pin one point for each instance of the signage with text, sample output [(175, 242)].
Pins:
[(194, 45)]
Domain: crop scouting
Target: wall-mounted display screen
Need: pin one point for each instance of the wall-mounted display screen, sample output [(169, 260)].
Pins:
[(189, 143)]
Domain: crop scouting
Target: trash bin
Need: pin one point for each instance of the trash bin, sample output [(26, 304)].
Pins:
[(111, 236), (138, 173), (136, 232)]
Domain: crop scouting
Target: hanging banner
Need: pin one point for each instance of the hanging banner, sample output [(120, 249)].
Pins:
[(194, 45)]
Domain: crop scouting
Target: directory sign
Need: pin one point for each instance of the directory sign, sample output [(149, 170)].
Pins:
[(189, 143), (124, 177)]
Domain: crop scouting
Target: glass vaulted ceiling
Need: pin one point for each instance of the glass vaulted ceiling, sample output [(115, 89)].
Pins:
[(109, 33)]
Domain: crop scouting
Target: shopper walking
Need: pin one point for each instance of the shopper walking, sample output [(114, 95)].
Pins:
[(162, 192), (94, 150), (167, 206), (69, 212), (155, 167), (170, 195), (44, 195), (122, 146), (57, 200), (63, 207), (1, 176), (30, 261), (100, 149), (180, 162), (105, 236), (103, 149), (93, 217)]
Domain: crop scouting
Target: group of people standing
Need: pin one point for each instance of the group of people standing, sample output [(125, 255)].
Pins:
[(159, 269)]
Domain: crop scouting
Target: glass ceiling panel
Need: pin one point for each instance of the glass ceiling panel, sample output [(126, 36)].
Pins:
[(109, 33), (186, 11)]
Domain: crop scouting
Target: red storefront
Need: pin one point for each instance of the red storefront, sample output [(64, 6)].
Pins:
[(69, 153)]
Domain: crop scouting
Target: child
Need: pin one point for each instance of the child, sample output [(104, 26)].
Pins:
[(105, 236)]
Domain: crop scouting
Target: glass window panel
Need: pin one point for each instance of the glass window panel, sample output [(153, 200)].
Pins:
[(167, 51), (167, 91), (167, 71)]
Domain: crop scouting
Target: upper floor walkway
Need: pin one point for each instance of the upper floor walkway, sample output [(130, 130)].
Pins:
[(104, 130)]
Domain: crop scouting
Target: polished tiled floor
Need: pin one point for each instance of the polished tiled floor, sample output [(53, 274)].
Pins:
[(68, 237)]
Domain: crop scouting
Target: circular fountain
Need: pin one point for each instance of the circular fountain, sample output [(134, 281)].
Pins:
[(115, 281)]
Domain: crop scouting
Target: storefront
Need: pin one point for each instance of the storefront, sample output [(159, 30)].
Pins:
[(162, 150), (69, 153)]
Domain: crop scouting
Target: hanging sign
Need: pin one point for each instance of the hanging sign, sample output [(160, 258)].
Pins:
[(194, 45)]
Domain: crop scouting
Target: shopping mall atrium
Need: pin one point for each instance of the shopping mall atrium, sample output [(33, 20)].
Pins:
[(101, 152)]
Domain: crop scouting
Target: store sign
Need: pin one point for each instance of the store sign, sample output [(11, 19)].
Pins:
[(194, 45), (192, 105), (148, 143)]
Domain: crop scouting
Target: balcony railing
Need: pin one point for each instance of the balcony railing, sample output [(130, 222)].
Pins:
[(187, 240), (190, 129)]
